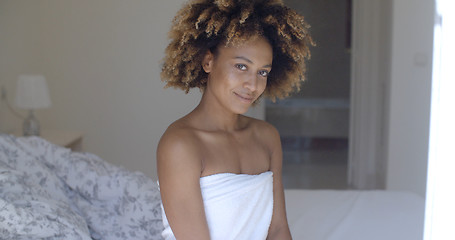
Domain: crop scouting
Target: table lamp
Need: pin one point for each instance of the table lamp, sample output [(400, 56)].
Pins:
[(32, 93)]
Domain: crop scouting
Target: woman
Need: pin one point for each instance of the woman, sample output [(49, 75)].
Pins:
[(220, 171)]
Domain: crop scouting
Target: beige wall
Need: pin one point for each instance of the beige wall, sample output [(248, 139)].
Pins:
[(102, 62), (18, 50)]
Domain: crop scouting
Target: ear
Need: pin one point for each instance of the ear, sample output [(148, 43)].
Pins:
[(207, 62)]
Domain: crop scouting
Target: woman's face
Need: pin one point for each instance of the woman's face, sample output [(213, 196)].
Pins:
[(238, 75)]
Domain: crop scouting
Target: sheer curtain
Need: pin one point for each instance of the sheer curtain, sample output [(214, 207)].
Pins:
[(371, 33), (440, 198)]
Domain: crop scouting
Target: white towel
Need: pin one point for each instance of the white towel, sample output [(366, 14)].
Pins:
[(237, 206)]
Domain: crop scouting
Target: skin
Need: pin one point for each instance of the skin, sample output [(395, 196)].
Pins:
[(216, 138)]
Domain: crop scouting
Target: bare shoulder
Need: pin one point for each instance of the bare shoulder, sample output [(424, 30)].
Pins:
[(179, 170), (264, 131), (262, 128), (177, 135), (178, 132), (179, 146)]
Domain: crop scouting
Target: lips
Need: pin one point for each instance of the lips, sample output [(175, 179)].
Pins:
[(244, 97)]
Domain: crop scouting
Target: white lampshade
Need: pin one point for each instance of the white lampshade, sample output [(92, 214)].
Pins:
[(32, 92)]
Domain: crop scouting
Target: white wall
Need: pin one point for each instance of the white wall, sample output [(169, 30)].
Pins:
[(410, 91)]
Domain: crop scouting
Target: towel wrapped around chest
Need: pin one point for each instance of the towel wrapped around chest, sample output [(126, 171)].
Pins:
[(237, 206)]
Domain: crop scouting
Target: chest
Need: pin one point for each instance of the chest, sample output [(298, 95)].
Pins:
[(236, 153)]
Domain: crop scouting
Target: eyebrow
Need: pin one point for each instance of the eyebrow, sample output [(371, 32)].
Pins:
[(248, 60)]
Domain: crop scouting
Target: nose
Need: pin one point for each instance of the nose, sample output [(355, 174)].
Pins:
[(251, 82)]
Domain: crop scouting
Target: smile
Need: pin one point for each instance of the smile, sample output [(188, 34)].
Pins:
[(244, 98)]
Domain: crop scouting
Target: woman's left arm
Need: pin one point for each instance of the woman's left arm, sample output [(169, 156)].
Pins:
[(279, 228)]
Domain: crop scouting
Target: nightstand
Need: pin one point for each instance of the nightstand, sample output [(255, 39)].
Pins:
[(64, 138)]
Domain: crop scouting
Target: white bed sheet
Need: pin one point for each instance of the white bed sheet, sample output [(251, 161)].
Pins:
[(352, 215)]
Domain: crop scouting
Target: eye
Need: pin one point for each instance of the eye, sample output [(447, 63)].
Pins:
[(263, 73), (241, 66)]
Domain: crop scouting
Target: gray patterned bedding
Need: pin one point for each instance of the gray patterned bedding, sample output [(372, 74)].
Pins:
[(50, 192)]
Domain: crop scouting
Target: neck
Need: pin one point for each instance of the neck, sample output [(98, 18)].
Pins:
[(215, 117)]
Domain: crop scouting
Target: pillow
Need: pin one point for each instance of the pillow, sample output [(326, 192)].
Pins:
[(33, 201), (116, 203)]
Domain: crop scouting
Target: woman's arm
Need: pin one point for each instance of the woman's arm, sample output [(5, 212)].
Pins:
[(179, 171), (279, 228)]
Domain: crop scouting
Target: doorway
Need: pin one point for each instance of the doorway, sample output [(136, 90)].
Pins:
[(314, 123)]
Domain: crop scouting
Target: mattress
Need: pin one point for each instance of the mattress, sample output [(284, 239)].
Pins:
[(352, 215)]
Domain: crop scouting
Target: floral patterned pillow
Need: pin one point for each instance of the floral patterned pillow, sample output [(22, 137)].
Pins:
[(116, 203), (77, 189), (33, 201)]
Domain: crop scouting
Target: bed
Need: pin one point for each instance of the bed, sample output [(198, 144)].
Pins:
[(50, 192), (355, 215)]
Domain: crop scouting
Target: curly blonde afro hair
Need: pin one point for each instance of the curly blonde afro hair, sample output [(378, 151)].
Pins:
[(202, 25)]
